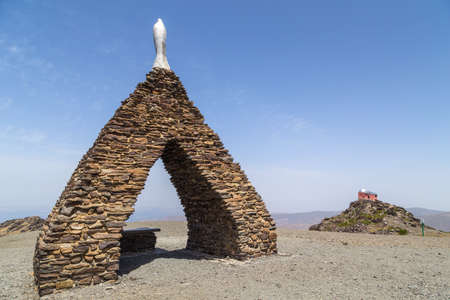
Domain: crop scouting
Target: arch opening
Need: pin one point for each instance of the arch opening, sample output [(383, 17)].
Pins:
[(159, 199), (210, 227)]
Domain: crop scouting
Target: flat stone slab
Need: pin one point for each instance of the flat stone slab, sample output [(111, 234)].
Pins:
[(138, 239), (140, 229)]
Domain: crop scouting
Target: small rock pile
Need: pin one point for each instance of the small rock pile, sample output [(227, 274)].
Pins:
[(21, 225), (370, 216)]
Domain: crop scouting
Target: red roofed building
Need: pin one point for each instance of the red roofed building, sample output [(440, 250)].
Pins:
[(364, 194)]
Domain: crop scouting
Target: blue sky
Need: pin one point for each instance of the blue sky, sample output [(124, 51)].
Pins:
[(315, 99)]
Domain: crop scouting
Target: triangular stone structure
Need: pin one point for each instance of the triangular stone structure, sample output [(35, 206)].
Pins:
[(79, 243)]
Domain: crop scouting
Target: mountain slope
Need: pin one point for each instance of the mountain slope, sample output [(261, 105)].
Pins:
[(301, 220), (21, 225), (420, 211), (438, 221)]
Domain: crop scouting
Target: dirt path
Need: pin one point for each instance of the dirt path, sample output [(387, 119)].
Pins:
[(311, 265)]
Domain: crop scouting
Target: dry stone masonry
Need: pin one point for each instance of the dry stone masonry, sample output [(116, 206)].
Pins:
[(80, 241)]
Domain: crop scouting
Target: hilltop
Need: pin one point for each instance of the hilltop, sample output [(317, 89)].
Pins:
[(376, 217)]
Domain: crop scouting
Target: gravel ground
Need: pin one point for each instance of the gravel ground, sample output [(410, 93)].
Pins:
[(311, 265)]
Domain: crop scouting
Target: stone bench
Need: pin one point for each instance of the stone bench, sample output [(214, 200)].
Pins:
[(138, 239)]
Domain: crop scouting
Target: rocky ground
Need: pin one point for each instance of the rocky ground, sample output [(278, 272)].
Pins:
[(375, 217), (21, 225), (311, 265)]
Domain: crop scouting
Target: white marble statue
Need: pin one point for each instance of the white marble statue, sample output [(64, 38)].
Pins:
[(159, 38)]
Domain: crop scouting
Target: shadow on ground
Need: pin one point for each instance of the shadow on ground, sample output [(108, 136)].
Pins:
[(132, 261)]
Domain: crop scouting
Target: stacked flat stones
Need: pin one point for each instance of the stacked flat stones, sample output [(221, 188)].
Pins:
[(80, 241), (138, 240)]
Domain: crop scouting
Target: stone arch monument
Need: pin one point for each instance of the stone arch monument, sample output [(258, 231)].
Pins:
[(79, 243)]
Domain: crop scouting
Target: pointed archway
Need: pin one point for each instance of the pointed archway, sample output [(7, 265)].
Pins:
[(79, 243)]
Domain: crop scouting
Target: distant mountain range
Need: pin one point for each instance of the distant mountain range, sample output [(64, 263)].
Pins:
[(435, 218), (302, 220), (439, 221), (420, 212)]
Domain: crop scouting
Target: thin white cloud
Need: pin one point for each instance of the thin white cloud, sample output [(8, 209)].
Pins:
[(29, 136), (97, 105), (32, 137), (296, 124), (20, 56), (286, 123), (5, 104), (13, 49), (107, 49)]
